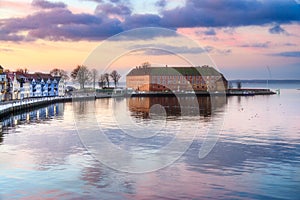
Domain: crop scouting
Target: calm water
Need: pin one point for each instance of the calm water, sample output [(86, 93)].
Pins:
[(257, 155)]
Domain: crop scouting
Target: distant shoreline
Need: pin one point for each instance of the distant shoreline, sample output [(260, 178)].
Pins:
[(265, 80)]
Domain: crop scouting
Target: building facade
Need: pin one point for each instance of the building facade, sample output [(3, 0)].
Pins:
[(176, 79), (3, 83), (25, 85), (61, 87)]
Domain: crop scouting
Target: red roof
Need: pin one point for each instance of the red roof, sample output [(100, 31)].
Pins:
[(36, 76)]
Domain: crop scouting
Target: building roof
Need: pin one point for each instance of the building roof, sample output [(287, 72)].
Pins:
[(174, 71), (36, 76)]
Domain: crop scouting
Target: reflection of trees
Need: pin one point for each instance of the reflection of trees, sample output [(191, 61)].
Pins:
[(181, 106), (92, 174), (83, 106), (99, 176), (104, 102), (239, 99)]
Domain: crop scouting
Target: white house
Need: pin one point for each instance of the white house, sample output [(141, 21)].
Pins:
[(3, 83), (25, 90), (22, 85), (61, 87), (16, 88)]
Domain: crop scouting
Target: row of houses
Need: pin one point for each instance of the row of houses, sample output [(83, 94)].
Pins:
[(20, 85)]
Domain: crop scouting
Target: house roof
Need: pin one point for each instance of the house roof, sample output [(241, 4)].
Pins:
[(36, 76), (174, 71), (43, 76)]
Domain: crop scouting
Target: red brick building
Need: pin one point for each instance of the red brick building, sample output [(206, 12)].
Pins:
[(176, 79)]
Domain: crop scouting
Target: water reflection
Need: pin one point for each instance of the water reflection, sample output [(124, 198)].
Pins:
[(82, 107), (236, 158), (255, 157), (175, 106), (36, 115)]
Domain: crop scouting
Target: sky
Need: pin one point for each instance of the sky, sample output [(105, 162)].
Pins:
[(244, 39)]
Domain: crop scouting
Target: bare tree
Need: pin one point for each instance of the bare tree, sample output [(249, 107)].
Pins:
[(23, 71), (102, 81), (94, 77), (59, 72), (115, 77), (106, 76), (146, 64), (82, 75)]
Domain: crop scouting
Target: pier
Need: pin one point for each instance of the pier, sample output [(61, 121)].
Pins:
[(229, 92), (249, 92)]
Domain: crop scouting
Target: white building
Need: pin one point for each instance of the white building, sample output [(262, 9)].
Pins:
[(61, 87), (34, 85), (3, 84), (25, 90), (16, 88)]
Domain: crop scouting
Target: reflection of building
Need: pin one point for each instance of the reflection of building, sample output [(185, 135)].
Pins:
[(190, 106), (176, 79), (34, 115)]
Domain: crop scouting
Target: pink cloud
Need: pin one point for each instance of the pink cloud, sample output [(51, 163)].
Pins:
[(14, 5)]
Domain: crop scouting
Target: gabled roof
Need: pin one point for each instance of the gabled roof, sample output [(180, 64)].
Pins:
[(174, 71), (44, 76), (35, 76)]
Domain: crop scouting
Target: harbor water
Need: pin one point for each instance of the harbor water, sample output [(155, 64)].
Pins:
[(256, 154)]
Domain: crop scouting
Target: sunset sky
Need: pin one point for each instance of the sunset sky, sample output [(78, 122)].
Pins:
[(245, 39)]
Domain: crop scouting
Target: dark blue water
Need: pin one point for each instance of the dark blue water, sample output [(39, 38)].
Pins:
[(257, 154)]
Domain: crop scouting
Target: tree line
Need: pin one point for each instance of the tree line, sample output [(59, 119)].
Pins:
[(83, 75)]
